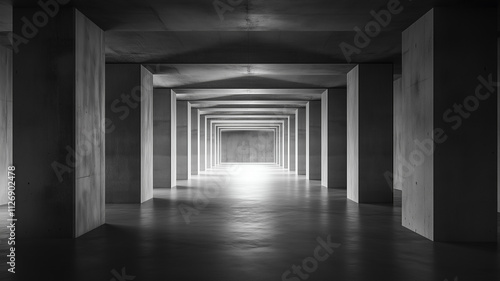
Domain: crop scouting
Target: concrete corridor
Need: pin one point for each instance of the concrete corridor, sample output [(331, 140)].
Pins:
[(252, 222)]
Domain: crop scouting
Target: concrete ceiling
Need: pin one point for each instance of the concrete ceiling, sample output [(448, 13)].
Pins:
[(260, 44)]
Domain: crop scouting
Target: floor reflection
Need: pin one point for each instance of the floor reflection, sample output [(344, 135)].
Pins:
[(250, 222)]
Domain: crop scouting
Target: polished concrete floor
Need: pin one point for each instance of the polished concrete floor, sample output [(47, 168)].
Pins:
[(250, 222)]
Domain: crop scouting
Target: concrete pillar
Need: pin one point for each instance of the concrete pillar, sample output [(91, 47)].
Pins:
[(399, 131), (292, 146), (301, 141), (194, 141), (164, 138), (59, 104), (129, 148), (213, 143), (183, 140), (334, 138), (313, 140), (5, 120), (286, 144), (449, 113), (369, 133), (202, 141)]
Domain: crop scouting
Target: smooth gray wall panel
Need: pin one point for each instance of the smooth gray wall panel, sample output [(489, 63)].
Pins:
[(164, 141), (334, 138), (314, 140), (183, 140), (90, 131), (247, 146), (146, 135), (5, 119), (399, 133), (301, 142), (194, 141), (61, 102), (370, 132), (129, 148), (451, 194)]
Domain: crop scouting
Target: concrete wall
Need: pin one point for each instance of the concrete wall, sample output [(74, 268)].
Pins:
[(90, 134), (399, 134), (164, 138), (334, 138), (292, 143), (247, 146), (301, 141), (194, 141), (58, 102), (203, 143), (451, 195), (129, 147), (370, 133), (5, 119), (146, 135), (183, 140), (313, 129)]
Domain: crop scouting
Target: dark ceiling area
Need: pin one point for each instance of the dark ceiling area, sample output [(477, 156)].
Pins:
[(255, 44)]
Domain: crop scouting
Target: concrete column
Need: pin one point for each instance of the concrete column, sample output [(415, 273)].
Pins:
[(450, 160), (183, 140), (194, 141), (369, 133), (59, 104), (129, 148), (286, 144), (164, 138), (202, 141), (301, 141), (292, 146), (334, 138), (399, 131), (5, 120), (313, 140), (213, 143)]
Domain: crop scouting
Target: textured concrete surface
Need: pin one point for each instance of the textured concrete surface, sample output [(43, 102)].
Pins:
[(276, 213), (183, 140), (5, 119), (89, 125), (146, 135), (129, 148), (247, 146), (399, 134), (59, 178), (334, 139), (313, 139), (418, 111), (369, 133), (292, 143), (286, 144), (301, 142), (164, 138), (461, 184), (203, 143), (194, 141)]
